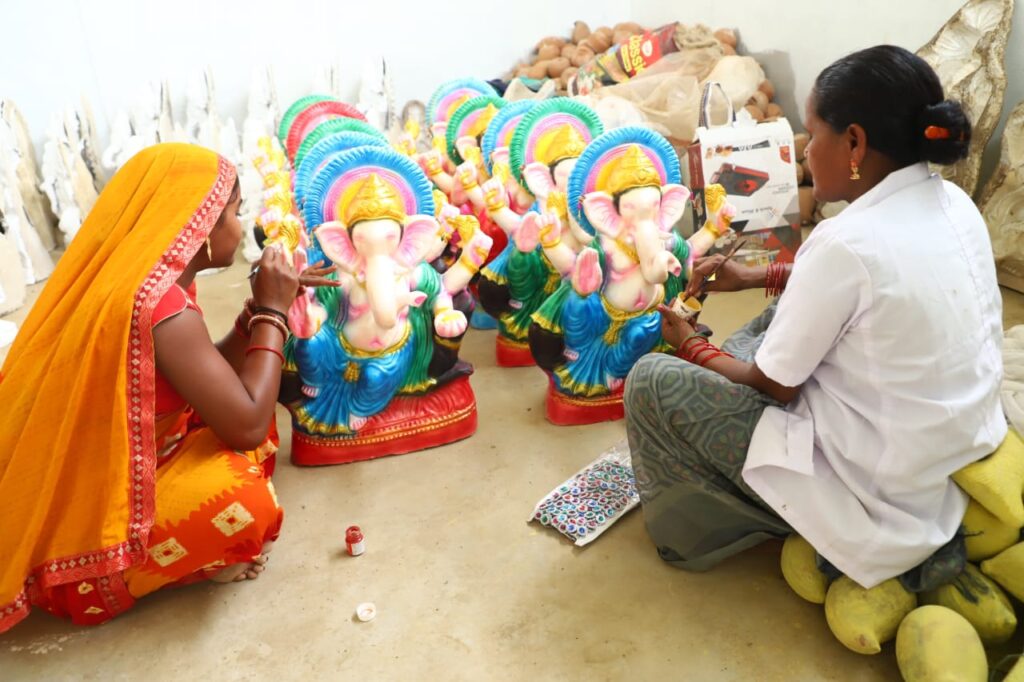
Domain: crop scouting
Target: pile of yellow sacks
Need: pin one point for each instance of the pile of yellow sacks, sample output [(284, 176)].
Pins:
[(940, 635)]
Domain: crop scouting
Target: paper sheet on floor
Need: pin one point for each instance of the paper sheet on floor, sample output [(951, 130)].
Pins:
[(598, 495)]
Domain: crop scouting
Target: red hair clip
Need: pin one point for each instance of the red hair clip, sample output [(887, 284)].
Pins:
[(939, 133)]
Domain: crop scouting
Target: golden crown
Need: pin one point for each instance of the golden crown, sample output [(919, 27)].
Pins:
[(633, 170), (566, 143), (482, 121), (374, 199)]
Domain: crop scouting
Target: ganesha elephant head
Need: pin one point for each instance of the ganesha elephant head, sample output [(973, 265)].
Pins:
[(379, 245), (637, 214), (548, 177)]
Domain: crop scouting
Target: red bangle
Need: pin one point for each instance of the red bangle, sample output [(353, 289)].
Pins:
[(775, 280), (239, 328), (266, 348)]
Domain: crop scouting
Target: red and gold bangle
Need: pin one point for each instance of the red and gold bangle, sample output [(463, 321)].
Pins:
[(275, 351), (263, 318)]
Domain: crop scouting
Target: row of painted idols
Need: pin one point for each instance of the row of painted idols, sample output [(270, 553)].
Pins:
[(562, 233)]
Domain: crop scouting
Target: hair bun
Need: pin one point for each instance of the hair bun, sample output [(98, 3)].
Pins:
[(945, 133)]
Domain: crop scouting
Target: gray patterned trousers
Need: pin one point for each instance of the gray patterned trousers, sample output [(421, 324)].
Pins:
[(689, 429)]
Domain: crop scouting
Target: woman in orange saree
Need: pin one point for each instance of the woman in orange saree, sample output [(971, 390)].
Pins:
[(134, 452)]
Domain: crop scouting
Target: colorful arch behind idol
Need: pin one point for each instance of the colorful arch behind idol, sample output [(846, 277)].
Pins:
[(625, 193), (382, 375), (544, 148)]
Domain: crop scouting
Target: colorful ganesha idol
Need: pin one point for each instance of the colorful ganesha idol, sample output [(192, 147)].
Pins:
[(545, 146), (466, 129), (624, 191), (283, 227), (442, 106), (382, 375)]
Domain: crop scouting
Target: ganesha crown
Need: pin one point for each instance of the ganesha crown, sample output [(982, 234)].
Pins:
[(374, 199), (632, 170)]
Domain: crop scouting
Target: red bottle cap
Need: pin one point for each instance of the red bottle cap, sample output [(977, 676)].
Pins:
[(353, 535)]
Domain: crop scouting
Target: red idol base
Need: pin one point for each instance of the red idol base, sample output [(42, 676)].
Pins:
[(409, 423), (565, 410), (513, 353)]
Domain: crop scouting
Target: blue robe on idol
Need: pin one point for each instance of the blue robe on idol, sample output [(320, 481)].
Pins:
[(598, 346)]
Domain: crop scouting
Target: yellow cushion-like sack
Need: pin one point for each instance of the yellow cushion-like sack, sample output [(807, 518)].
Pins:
[(997, 482), (864, 620), (800, 569), (1007, 569), (986, 534), (978, 599), (935, 644)]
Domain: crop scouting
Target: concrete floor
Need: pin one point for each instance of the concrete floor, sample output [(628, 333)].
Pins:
[(465, 588)]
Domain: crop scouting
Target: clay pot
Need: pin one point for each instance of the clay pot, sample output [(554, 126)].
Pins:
[(551, 40), (630, 27), (808, 176), (728, 50), (807, 204), (768, 88), (539, 70), (773, 110), (548, 51), (800, 141), (760, 100), (557, 66), (580, 31), (583, 55), (799, 174), (727, 36), (568, 50), (755, 112), (600, 42)]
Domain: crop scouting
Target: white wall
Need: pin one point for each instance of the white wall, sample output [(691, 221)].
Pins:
[(794, 44), (110, 49)]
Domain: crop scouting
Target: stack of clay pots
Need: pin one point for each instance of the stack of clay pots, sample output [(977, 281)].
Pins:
[(804, 179), (559, 58)]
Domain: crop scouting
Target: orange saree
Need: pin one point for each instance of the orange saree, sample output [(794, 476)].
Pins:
[(103, 500)]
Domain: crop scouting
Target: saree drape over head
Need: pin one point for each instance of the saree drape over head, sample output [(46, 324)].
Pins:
[(78, 436)]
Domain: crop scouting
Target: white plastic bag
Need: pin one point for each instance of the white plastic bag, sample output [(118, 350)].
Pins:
[(588, 504)]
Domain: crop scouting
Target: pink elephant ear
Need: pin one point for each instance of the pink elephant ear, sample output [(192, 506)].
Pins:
[(418, 239), (601, 212), (673, 203), (336, 243), (500, 155), (538, 179)]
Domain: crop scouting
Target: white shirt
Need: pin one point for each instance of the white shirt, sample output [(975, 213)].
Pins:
[(892, 323)]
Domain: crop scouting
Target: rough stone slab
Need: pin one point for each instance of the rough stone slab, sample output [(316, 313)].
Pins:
[(1002, 204), (968, 53)]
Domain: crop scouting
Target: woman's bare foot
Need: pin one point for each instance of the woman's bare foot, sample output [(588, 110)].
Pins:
[(236, 573)]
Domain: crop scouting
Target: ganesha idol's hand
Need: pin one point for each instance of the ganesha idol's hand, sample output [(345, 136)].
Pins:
[(495, 196), (467, 175), (674, 267), (450, 323), (586, 274), (430, 162)]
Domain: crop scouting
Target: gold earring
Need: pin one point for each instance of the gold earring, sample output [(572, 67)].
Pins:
[(209, 249), (854, 170)]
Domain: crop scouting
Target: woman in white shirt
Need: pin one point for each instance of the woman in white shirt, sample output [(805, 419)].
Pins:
[(841, 412)]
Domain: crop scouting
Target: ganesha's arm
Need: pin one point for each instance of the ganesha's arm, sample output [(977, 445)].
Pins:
[(496, 203), (461, 273)]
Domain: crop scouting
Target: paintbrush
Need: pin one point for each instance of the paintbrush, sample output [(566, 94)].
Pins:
[(704, 282)]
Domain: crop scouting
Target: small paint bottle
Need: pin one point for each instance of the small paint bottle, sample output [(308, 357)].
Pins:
[(354, 541)]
